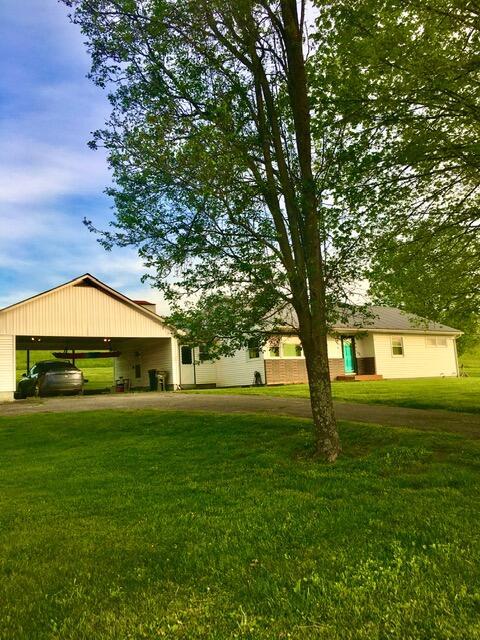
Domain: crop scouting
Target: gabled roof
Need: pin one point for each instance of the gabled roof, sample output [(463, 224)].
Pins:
[(392, 319), (88, 280), (375, 318)]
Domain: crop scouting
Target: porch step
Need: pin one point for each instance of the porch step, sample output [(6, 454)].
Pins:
[(355, 377)]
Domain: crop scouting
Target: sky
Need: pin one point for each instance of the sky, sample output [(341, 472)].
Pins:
[(49, 179)]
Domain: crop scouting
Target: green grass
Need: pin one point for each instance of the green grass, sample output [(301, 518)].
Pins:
[(99, 373), (471, 361), (142, 525), (452, 394)]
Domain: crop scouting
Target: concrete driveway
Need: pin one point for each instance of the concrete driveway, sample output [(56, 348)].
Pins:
[(430, 420)]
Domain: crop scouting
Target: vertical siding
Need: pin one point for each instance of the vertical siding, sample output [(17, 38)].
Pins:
[(80, 311), (7, 367), (418, 360)]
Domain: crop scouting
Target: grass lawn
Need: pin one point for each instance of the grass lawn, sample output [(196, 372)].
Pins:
[(142, 525), (99, 373), (453, 394)]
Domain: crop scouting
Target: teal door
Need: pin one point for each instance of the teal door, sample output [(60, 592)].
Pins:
[(348, 355)]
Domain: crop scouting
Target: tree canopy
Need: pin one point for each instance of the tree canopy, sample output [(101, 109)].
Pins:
[(403, 77), (219, 179)]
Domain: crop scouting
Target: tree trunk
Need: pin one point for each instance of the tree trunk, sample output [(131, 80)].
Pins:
[(327, 441)]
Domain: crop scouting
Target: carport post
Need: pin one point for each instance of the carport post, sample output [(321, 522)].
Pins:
[(28, 360), (73, 357)]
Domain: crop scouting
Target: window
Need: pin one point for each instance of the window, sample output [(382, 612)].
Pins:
[(138, 371), (397, 346), (187, 355), (436, 341), (253, 350), (274, 352), (203, 354), (292, 350)]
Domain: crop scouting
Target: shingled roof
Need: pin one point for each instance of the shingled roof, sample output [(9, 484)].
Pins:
[(392, 319), (387, 319)]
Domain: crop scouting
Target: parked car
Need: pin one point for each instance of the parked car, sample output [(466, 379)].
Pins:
[(51, 377)]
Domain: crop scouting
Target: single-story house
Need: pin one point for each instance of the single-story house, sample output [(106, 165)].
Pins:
[(87, 314)]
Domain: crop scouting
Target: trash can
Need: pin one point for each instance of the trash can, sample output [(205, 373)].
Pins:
[(153, 379)]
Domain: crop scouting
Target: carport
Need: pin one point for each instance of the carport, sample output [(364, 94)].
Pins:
[(86, 314)]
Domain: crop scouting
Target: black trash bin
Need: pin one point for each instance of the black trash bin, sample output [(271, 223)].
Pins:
[(153, 379)]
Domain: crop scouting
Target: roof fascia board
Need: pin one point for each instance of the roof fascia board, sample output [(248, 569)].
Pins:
[(368, 330)]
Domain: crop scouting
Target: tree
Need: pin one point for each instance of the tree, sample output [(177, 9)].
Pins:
[(404, 75), (219, 181)]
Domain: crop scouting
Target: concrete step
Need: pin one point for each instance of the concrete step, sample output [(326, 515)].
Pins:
[(356, 377)]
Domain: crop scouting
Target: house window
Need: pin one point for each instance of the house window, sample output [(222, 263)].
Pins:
[(292, 350), (253, 350), (397, 346), (138, 371), (436, 341), (203, 354), (274, 352), (187, 355)]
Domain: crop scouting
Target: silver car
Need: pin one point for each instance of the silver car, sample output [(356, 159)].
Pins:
[(51, 377)]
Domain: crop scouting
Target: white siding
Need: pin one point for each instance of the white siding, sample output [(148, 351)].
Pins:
[(418, 360), (80, 311), (334, 348), (7, 367), (175, 359), (239, 369), (149, 354), (364, 346), (200, 373), (205, 372)]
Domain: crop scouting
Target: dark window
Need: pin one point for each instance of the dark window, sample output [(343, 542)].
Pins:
[(397, 346), (253, 350), (274, 352), (187, 355), (203, 354), (138, 371)]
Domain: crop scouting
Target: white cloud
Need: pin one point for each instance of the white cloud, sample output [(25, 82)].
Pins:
[(33, 172)]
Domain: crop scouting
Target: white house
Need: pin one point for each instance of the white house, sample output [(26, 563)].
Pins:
[(87, 314)]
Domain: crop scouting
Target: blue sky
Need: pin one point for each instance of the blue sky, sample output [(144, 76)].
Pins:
[(49, 179)]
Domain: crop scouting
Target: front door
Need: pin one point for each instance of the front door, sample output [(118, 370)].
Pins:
[(187, 366), (349, 355)]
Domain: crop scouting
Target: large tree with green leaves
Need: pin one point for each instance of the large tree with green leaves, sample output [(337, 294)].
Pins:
[(404, 78), (219, 179)]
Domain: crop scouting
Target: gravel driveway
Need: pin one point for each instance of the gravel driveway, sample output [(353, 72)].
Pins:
[(431, 420)]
